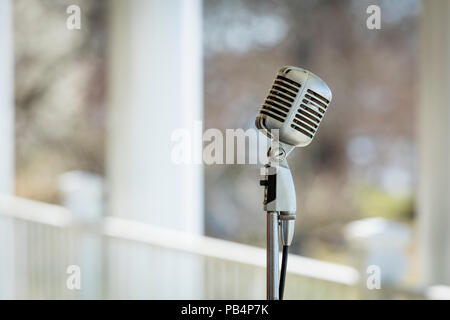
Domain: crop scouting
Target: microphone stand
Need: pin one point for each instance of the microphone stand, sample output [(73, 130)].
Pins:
[(280, 205)]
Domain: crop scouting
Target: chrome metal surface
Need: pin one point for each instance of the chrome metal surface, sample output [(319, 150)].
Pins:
[(295, 106), (272, 256), (287, 231)]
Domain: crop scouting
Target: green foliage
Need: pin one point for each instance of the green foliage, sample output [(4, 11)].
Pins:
[(373, 202)]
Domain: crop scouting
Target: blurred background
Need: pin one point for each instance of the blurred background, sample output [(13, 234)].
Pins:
[(87, 126)]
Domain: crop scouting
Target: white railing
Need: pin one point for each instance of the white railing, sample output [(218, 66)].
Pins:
[(122, 259)]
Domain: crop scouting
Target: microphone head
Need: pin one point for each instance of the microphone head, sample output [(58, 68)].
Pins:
[(295, 106)]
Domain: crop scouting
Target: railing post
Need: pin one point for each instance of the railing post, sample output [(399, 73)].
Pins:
[(379, 250), (82, 195)]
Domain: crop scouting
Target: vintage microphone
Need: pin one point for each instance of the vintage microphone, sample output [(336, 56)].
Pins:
[(290, 116)]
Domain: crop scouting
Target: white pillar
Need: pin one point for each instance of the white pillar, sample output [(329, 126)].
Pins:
[(155, 87), (7, 275), (434, 143), (6, 99)]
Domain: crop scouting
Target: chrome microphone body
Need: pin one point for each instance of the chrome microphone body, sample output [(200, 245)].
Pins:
[(295, 106), (290, 116)]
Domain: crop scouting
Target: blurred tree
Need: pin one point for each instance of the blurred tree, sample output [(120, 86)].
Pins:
[(60, 84), (366, 141)]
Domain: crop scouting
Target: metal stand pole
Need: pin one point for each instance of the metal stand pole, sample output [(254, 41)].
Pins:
[(272, 256), (280, 205)]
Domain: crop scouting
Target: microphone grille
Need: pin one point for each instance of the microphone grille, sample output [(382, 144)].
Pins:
[(280, 98), (311, 111), (295, 105)]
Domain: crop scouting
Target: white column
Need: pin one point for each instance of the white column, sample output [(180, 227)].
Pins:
[(155, 87), (434, 143), (7, 275), (6, 99)]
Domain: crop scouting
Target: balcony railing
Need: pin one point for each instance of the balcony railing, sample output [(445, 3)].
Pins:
[(122, 259)]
